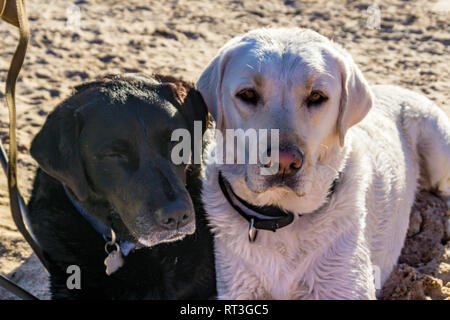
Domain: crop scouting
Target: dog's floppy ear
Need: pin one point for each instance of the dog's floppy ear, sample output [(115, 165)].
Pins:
[(210, 82), (56, 149), (194, 108), (210, 86), (188, 99), (356, 96), (190, 104)]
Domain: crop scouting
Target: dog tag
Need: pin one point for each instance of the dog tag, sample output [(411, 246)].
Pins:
[(252, 231), (114, 261)]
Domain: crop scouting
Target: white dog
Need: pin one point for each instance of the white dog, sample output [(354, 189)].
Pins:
[(351, 157)]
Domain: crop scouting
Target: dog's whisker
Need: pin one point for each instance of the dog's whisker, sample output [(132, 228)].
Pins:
[(330, 167)]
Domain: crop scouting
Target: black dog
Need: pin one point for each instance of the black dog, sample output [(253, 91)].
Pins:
[(105, 163)]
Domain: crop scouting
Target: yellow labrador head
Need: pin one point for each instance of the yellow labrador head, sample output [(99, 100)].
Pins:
[(294, 80)]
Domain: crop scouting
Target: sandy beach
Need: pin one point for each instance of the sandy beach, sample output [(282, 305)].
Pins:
[(405, 43)]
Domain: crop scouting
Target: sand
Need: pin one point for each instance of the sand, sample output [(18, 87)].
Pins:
[(409, 47)]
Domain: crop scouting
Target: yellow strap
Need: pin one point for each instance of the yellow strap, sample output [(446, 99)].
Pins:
[(3, 6), (9, 12), (13, 73)]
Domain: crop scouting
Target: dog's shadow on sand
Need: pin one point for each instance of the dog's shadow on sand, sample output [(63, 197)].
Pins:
[(30, 276)]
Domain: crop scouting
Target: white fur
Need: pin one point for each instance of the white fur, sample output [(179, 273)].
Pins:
[(331, 250)]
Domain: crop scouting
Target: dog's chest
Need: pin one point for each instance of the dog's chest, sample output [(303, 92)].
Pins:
[(280, 261)]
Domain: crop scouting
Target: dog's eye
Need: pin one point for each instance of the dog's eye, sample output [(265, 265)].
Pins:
[(315, 98), (248, 96), (114, 155), (118, 150)]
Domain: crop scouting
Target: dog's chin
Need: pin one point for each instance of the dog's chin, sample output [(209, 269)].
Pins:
[(258, 183), (166, 236), (270, 184), (294, 200)]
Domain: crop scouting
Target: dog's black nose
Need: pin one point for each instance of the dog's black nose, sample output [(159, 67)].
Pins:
[(290, 160), (173, 216)]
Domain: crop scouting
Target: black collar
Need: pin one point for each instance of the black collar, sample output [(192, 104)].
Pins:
[(260, 217), (266, 217), (97, 225)]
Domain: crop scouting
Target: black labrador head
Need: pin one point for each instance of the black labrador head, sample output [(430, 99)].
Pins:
[(110, 144)]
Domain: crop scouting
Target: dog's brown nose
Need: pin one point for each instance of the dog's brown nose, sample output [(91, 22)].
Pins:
[(174, 215), (290, 160)]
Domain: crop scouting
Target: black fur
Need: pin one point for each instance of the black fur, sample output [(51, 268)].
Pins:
[(178, 270)]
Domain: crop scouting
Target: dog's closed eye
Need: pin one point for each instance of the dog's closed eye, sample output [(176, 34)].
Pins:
[(117, 150), (315, 99), (249, 96), (113, 154)]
